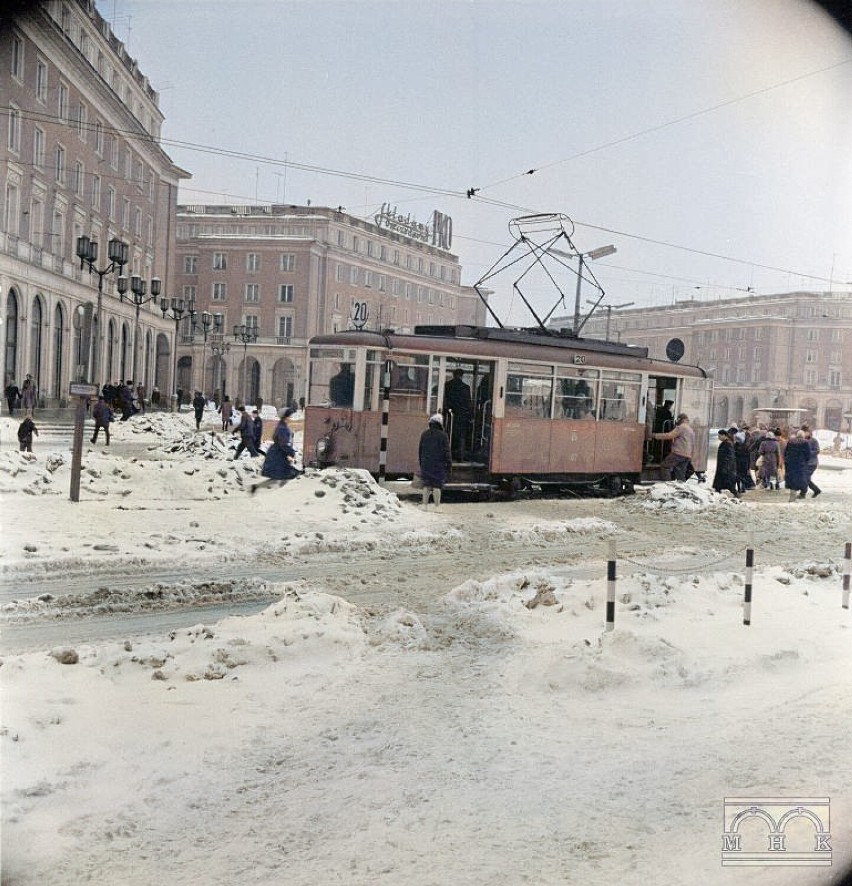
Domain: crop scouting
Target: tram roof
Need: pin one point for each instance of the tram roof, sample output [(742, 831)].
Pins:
[(485, 338)]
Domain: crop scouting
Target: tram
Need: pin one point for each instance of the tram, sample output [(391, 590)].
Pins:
[(545, 409)]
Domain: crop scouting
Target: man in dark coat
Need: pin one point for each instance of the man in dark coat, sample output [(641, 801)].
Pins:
[(13, 396), (435, 459), (796, 465), (813, 458), (457, 402), (25, 434), (198, 404), (341, 388), (246, 431), (726, 463), (102, 415), (257, 426)]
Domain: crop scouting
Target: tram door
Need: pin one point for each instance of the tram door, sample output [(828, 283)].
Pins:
[(660, 415), (462, 390)]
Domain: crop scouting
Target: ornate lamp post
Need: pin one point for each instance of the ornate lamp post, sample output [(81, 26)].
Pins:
[(178, 308), (247, 335), (139, 297), (218, 348), (208, 321), (87, 251)]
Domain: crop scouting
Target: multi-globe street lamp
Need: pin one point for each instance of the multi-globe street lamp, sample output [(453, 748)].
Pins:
[(178, 308), (207, 323), (118, 253), (139, 296), (247, 335), (218, 348)]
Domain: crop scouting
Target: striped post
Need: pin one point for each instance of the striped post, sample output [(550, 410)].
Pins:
[(610, 586), (847, 569), (749, 574), (383, 446)]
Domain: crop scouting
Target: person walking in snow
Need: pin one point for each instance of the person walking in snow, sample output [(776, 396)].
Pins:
[(227, 411), (813, 459), (726, 463), (26, 429), (198, 404), (278, 465), (796, 466), (246, 431), (679, 461), (102, 415), (435, 459)]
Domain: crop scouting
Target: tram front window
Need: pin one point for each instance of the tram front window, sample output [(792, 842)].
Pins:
[(529, 392), (332, 377), (620, 392)]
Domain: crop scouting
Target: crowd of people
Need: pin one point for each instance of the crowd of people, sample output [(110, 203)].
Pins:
[(763, 457)]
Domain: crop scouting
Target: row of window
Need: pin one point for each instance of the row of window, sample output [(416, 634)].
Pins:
[(286, 262), (385, 253), (811, 356), (737, 375), (251, 292)]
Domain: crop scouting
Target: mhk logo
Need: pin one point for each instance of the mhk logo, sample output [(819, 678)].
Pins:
[(776, 830)]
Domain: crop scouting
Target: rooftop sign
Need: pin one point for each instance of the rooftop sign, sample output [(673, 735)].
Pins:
[(438, 232)]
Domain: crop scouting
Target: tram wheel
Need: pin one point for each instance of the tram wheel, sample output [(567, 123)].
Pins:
[(615, 485)]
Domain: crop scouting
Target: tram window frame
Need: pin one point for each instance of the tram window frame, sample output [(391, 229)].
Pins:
[(325, 362), (567, 404), (409, 383), (530, 403), (626, 391)]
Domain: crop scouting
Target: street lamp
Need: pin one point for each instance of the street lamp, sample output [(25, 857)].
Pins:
[(178, 308), (593, 254), (139, 297), (247, 335), (218, 348), (87, 251), (208, 321), (609, 310)]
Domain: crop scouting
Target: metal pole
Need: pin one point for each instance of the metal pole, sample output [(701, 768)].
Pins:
[(608, 317), (749, 573), (610, 586), (175, 404), (847, 569), (577, 297)]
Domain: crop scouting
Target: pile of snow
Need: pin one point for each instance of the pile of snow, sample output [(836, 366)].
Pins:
[(692, 497)]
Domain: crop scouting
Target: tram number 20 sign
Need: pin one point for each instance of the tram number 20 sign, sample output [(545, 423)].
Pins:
[(359, 315)]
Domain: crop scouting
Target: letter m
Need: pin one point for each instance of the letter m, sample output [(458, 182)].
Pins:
[(731, 843)]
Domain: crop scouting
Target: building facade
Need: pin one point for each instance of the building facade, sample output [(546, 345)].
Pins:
[(283, 274), (80, 157), (786, 351)]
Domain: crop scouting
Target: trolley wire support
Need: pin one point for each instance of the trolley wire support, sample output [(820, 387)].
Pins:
[(749, 575), (847, 570)]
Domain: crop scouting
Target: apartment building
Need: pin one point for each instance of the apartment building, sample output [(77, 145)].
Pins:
[(80, 157), (283, 273), (786, 351)]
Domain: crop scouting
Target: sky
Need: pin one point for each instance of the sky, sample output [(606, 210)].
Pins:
[(707, 142)]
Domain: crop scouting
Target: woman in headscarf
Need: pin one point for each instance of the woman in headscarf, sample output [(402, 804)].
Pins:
[(278, 465), (435, 459), (769, 453), (726, 463)]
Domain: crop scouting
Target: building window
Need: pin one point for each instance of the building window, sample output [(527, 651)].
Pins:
[(79, 178), (59, 167), (137, 222), (220, 291), (285, 328), (82, 119), (17, 58), (96, 192), (285, 293), (220, 261), (813, 335), (41, 81), (288, 263), (38, 148), (14, 130), (113, 152), (253, 292), (810, 356), (99, 138), (370, 248), (190, 264), (356, 244), (341, 273), (834, 378), (62, 103), (10, 210), (252, 262), (189, 293), (252, 323), (125, 213), (810, 377)]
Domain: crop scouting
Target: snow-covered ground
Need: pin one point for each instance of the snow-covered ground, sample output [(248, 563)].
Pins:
[(433, 699)]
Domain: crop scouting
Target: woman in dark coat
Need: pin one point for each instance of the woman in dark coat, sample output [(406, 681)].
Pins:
[(796, 465), (726, 463), (741, 454), (769, 452), (278, 464), (435, 459)]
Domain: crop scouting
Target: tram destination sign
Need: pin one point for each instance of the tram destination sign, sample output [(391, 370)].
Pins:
[(81, 389), (437, 232)]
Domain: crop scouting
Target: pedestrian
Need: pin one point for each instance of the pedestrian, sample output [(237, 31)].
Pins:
[(125, 395), (341, 387), (679, 460), (796, 465), (102, 415), (13, 396), (459, 406), (813, 459), (140, 397), (28, 396), (246, 431), (257, 424), (155, 397), (726, 463), (26, 429), (198, 404), (227, 411), (435, 459), (768, 456), (744, 480), (278, 466)]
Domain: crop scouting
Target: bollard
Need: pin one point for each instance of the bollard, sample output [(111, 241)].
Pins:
[(383, 443), (847, 569), (749, 572), (610, 587)]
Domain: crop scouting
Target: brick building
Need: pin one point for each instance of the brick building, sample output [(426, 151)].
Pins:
[(80, 156), (787, 351), (290, 272)]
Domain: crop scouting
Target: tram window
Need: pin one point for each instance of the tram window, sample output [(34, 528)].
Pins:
[(620, 396), (576, 392), (373, 381), (327, 376), (529, 391), (409, 380)]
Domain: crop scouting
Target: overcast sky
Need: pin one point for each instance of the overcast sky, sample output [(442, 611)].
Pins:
[(672, 129)]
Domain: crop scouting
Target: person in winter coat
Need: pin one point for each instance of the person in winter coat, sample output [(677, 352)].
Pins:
[(726, 463), (679, 461), (813, 458), (246, 431), (741, 453), (198, 404), (796, 465), (769, 453), (26, 429), (257, 426), (28, 396), (278, 465), (13, 395), (102, 415), (227, 411), (435, 459)]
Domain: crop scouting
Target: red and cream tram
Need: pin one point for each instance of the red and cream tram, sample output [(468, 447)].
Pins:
[(545, 409)]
